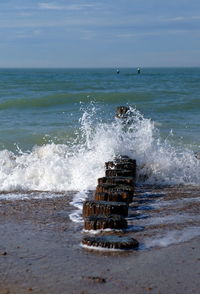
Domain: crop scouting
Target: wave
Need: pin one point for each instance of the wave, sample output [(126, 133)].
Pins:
[(77, 165), (65, 99), (174, 106), (173, 237), (45, 101)]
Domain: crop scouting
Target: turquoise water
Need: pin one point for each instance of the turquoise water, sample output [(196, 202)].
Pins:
[(58, 126), (37, 105)]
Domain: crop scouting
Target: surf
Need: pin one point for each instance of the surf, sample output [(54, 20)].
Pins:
[(77, 165)]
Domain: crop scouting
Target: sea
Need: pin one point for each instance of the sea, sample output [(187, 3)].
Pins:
[(58, 127)]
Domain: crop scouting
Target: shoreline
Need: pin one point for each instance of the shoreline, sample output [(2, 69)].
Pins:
[(40, 252)]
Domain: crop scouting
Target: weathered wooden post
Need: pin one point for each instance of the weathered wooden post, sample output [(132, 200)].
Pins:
[(111, 198)]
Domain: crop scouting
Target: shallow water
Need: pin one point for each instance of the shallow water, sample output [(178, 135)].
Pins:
[(171, 218)]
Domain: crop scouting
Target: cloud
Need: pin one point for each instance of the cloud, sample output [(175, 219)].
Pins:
[(195, 17), (152, 33), (182, 18), (52, 6), (177, 18), (126, 35), (24, 14), (24, 34), (181, 31), (138, 34)]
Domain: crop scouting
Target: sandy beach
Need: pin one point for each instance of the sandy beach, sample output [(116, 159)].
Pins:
[(40, 252)]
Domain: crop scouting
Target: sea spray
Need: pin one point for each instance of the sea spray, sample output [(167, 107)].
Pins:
[(77, 165), (173, 237)]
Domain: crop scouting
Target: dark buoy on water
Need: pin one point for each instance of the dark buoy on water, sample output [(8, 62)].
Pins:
[(118, 71), (138, 70)]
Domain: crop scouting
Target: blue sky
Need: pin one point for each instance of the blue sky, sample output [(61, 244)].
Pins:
[(117, 33)]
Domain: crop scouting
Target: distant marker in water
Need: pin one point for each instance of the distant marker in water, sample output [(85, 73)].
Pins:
[(138, 70), (118, 71)]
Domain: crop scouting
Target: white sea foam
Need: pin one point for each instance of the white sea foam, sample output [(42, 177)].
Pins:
[(76, 166), (79, 198), (175, 203), (173, 237), (32, 195), (76, 216), (77, 201), (96, 232), (169, 219)]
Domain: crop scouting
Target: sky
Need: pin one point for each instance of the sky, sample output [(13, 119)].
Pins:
[(117, 33)]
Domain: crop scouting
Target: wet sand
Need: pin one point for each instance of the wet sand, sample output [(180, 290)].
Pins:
[(40, 252)]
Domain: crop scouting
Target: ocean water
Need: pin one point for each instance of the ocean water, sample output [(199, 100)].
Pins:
[(58, 126)]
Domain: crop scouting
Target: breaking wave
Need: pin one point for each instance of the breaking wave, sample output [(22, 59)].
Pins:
[(77, 165)]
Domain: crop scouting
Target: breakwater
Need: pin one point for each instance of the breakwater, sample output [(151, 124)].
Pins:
[(109, 208)]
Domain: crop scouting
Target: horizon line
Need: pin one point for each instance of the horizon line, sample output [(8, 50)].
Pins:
[(114, 67)]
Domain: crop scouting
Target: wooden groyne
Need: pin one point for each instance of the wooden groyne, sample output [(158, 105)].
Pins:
[(109, 208)]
